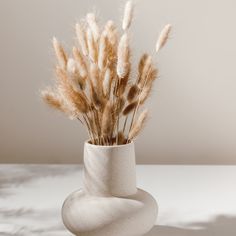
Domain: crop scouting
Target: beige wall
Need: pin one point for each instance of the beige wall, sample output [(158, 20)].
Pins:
[(193, 106)]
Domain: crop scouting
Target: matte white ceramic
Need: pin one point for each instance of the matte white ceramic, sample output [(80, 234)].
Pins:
[(109, 204)]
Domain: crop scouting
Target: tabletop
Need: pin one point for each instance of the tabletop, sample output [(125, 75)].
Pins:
[(193, 200)]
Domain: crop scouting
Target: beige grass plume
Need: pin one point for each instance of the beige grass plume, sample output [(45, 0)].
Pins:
[(80, 62), (128, 15), (92, 46), (103, 52), (123, 54), (60, 53), (73, 97), (111, 32), (138, 125), (81, 36), (133, 92), (110, 102), (107, 120), (92, 22), (107, 82), (163, 37), (129, 108), (52, 99)]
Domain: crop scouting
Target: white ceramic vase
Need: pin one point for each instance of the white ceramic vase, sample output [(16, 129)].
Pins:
[(109, 204)]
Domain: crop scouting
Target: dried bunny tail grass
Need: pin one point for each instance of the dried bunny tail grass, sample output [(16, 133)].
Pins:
[(92, 22), (97, 99), (163, 37), (128, 15), (77, 82), (73, 97), (80, 62), (92, 47), (110, 31), (95, 78), (81, 36), (144, 94), (60, 53), (129, 108), (144, 70), (132, 93), (103, 52), (142, 62), (119, 105), (138, 125), (123, 82), (52, 99), (55, 101), (73, 74), (123, 54), (107, 83), (121, 138), (106, 126)]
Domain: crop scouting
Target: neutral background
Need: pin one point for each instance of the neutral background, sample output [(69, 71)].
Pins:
[(193, 105)]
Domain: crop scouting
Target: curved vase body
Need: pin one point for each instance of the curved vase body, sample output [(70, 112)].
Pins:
[(109, 203)]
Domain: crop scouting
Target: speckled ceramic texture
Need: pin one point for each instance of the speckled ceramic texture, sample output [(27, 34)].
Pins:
[(109, 204)]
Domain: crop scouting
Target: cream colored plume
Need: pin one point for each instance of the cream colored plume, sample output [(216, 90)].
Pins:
[(81, 36), (92, 22), (92, 49), (103, 51), (138, 125), (80, 62), (163, 37), (123, 56), (107, 82), (60, 53), (111, 32), (128, 15)]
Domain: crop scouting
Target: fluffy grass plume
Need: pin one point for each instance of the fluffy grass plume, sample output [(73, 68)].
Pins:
[(97, 85), (128, 15), (163, 37), (138, 125)]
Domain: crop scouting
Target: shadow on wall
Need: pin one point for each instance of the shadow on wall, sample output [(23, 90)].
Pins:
[(222, 225)]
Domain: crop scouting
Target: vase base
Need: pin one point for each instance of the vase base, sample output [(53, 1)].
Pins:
[(87, 215)]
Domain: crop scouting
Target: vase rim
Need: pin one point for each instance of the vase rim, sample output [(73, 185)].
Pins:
[(109, 146)]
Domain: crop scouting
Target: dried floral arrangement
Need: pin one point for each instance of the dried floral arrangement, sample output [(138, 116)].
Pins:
[(94, 84)]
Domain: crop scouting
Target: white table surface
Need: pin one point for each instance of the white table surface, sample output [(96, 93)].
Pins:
[(193, 200)]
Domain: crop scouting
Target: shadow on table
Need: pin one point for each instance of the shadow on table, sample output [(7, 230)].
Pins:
[(221, 225)]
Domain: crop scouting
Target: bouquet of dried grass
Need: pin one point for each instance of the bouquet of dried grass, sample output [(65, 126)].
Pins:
[(94, 86)]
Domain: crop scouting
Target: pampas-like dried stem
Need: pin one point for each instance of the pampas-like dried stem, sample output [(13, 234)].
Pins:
[(128, 15), (112, 35), (95, 77), (138, 125), (52, 99), (60, 53), (92, 22), (163, 37), (144, 70), (80, 62), (96, 97), (103, 52), (123, 55), (107, 83), (123, 82), (129, 108), (92, 47), (76, 98), (111, 32), (132, 93), (119, 105), (81, 36), (107, 121)]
